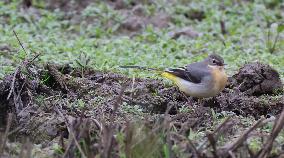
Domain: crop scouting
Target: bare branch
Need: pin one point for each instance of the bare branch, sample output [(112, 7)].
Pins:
[(5, 136), (278, 126)]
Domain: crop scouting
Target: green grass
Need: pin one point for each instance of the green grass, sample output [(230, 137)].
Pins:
[(60, 41)]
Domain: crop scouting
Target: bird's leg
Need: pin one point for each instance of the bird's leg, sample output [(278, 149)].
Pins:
[(189, 100), (199, 101)]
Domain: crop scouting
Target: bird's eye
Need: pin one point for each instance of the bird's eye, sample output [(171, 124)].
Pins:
[(214, 61)]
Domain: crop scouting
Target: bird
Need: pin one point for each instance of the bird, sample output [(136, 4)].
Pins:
[(203, 79)]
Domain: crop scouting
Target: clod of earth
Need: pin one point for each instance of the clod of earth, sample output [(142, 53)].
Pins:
[(44, 95), (195, 14), (257, 79), (187, 31), (136, 21)]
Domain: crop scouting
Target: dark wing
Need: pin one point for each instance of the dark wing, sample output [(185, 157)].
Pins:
[(193, 72)]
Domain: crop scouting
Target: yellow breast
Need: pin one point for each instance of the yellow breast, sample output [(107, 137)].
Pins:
[(220, 77)]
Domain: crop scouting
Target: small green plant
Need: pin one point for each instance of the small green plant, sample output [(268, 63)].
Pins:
[(140, 141), (134, 109), (58, 149), (215, 116), (273, 35), (254, 145), (120, 137), (46, 79), (166, 151), (83, 62), (195, 135), (97, 100), (81, 103), (39, 99), (184, 109)]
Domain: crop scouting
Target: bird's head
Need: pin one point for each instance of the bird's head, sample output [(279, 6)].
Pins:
[(215, 60)]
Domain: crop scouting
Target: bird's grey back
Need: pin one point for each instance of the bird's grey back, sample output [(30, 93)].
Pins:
[(197, 71)]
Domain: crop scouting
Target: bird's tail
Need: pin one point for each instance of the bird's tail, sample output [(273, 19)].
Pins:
[(169, 76), (142, 68), (163, 73)]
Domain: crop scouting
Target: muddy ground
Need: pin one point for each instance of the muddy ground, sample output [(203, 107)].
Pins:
[(47, 101)]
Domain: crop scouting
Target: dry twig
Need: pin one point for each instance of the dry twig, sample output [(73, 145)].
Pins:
[(233, 146), (5, 136), (217, 130), (72, 134), (19, 68), (196, 153), (278, 126), (107, 130)]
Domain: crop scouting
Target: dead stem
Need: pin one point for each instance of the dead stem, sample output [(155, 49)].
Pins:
[(5, 136)]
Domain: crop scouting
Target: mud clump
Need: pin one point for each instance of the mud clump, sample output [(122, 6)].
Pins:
[(67, 6), (195, 15), (120, 4), (256, 79), (136, 20), (187, 31)]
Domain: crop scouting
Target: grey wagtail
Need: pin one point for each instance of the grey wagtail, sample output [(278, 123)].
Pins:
[(202, 79)]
